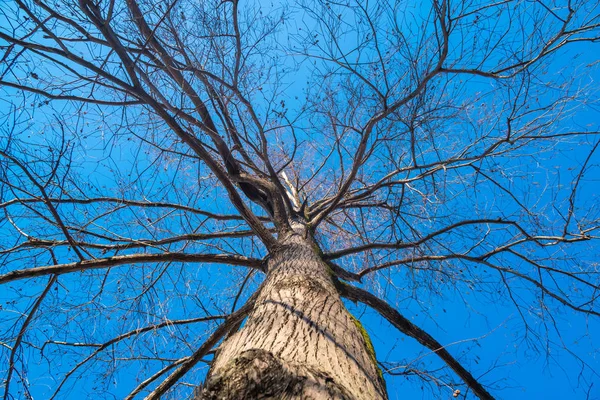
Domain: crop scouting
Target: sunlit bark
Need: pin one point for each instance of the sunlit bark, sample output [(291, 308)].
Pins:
[(299, 341)]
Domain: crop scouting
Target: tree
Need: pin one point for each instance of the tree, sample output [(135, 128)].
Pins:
[(190, 190)]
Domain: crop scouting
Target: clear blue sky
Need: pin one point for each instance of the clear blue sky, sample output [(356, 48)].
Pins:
[(483, 332)]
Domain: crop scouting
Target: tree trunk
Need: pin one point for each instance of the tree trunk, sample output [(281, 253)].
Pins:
[(299, 341)]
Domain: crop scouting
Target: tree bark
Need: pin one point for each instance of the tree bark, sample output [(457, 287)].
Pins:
[(299, 341)]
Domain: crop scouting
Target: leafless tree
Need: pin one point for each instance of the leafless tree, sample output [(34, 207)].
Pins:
[(189, 190)]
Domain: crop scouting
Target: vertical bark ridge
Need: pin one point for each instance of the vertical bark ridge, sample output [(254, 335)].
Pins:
[(300, 325)]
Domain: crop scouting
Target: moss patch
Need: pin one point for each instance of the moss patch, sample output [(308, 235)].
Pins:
[(368, 344)]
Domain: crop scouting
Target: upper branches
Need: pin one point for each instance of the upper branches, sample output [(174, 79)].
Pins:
[(433, 148)]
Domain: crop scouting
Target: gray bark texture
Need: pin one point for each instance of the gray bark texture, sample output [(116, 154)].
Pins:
[(299, 341)]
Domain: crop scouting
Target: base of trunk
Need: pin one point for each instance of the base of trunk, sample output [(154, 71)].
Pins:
[(258, 374)]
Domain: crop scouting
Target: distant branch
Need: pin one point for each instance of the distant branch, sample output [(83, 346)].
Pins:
[(404, 245)]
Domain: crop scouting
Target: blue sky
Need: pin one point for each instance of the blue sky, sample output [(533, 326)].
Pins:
[(482, 328)]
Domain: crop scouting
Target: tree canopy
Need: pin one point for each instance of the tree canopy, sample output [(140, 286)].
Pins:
[(443, 155)]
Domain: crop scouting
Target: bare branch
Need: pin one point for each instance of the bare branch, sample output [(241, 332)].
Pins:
[(408, 328), (60, 269)]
